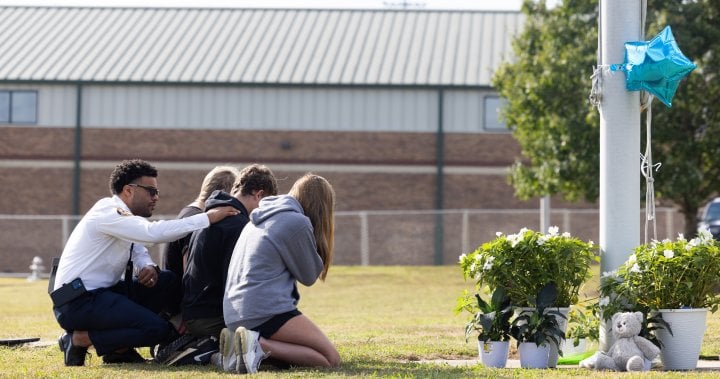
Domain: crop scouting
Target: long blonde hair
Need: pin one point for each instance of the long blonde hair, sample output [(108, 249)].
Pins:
[(219, 178), (317, 198)]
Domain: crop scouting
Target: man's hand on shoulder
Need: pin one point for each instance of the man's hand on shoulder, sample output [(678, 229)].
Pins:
[(219, 213)]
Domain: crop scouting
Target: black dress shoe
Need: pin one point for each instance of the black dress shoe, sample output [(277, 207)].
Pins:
[(74, 355), (129, 356)]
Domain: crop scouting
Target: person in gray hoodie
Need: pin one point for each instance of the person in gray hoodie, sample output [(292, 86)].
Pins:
[(212, 247), (289, 239)]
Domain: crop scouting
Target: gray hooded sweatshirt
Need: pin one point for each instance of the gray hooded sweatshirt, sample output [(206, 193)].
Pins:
[(276, 249)]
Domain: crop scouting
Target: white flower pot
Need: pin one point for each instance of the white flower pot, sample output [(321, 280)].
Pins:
[(562, 322), (494, 353), (568, 349), (681, 350), (606, 336), (533, 356)]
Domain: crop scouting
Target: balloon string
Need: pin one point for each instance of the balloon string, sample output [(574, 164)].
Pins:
[(647, 167)]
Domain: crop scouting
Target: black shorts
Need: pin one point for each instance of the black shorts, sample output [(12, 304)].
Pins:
[(270, 327)]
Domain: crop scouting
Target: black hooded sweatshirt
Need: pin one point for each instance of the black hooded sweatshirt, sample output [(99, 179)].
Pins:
[(209, 256)]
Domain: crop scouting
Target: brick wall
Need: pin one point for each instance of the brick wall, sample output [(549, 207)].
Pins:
[(46, 189), (37, 180), (295, 147)]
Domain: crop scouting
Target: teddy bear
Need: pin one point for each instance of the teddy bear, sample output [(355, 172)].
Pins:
[(629, 351)]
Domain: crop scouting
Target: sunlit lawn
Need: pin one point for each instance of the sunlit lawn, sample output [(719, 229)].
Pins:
[(385, 321)]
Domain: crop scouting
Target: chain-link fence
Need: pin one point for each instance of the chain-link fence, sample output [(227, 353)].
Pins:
[(361, 237)]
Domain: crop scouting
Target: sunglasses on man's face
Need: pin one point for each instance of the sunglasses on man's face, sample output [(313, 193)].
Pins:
[(151, 190)]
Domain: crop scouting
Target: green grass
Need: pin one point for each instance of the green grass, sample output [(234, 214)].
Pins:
[(384, 321)]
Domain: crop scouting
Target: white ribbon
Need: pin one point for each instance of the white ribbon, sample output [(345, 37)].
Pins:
[(595, 96), (647, 167)]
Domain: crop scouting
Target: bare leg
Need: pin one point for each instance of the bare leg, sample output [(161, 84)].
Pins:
[(300, 342)]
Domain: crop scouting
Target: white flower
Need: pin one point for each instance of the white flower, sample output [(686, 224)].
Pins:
[(553, 230), (632, 258), (498, 234), (514, 239), (523, 230), (681, 237), (566, 234), (704, 235), (591, 243), (606, 274), (668, 253), (635, 268), (462, 257), (488, 263), (542, 239), (604, 301), (666, 240)]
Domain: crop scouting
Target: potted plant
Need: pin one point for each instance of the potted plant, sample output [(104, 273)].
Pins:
[(583, 326), (676, 281), (615, 297), (525, 262), (537, 330), (491, 322)]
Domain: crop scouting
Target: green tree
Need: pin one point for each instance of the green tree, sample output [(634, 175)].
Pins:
[(547, 85)]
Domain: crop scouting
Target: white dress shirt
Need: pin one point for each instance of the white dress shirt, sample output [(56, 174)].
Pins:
[(98, 248)]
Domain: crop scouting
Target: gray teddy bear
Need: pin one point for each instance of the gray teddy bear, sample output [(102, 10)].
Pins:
[(629, 351)]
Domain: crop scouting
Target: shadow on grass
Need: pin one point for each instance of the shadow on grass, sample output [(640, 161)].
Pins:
[(23, 362)]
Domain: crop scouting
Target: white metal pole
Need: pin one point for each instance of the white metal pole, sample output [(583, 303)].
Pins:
[(620, 22), (465, 236), (545, 214), (364, 239)]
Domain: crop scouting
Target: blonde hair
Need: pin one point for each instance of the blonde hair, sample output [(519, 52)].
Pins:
[(317, 198), (219, 178)]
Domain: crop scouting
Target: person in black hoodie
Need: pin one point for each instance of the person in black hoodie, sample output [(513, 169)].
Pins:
[(175, 257), (211, 249)]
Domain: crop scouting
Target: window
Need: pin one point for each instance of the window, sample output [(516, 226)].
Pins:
[(492, 122), (18, 107)]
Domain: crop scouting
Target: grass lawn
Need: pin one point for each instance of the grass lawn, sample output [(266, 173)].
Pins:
[(384, 321)]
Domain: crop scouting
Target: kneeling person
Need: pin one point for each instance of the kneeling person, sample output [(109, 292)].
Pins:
[(91, 301), (212, 248)]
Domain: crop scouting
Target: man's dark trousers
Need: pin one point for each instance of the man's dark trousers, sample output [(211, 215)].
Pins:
[(115, 320)]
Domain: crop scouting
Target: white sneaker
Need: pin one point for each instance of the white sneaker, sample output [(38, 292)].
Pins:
[(227, 350), (248, 350)]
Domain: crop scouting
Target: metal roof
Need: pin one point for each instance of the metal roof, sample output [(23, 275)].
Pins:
[(254, 46)]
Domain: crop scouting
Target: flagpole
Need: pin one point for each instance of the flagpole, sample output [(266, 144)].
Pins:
[(620, 22)]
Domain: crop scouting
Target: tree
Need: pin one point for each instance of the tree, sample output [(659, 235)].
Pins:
[(547, 86)]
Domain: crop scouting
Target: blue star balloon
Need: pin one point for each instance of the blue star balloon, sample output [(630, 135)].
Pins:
[(656, 66)]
